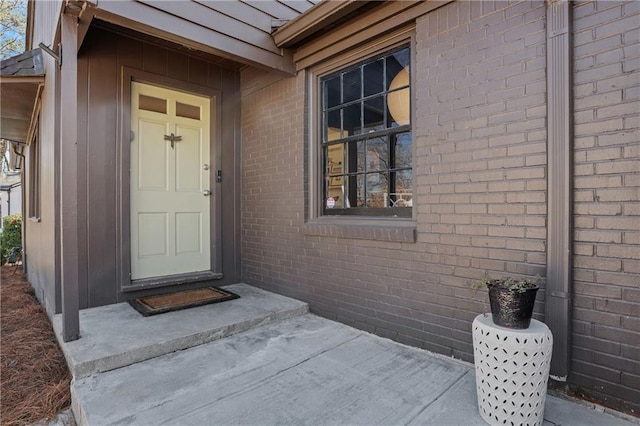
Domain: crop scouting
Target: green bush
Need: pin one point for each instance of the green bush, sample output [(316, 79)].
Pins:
[(11, 237)]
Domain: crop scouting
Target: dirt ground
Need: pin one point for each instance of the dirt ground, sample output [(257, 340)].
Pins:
[(34, 379)]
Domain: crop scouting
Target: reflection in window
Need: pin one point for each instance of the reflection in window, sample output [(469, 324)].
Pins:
[(367, 144)]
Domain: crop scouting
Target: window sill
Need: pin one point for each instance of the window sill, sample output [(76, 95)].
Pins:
[(34, 219), (392, 230)]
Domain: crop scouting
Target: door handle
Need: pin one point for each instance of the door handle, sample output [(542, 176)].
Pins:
[(206, 192)]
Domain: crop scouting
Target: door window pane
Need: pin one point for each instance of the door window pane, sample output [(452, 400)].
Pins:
[(149, 103)]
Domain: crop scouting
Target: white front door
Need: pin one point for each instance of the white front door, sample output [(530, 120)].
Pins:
[(170, 162)]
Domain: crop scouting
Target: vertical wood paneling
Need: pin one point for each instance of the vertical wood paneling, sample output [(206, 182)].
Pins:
[(178, 66), (214, 77), (101, 154), (45, 25), (154, 59), (129, 52), (198, 71), (101, 62)]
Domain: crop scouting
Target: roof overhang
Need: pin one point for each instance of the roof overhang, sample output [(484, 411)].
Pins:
[(320, 16), (21, 82)]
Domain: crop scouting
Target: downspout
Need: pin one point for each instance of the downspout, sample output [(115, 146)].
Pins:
[(23, 205), (558, 292)]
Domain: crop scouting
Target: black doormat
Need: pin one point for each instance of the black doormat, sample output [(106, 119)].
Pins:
[(153, 305)]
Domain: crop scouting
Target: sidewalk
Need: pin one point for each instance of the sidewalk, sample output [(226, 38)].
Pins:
[(304, 370)]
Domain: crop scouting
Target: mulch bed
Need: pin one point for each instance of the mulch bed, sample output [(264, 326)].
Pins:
[(34, 379)]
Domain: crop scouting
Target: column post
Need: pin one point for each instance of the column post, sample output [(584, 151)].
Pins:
[(69, 179)]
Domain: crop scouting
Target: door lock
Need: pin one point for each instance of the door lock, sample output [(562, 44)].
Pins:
[(205, 167), (206, 192)]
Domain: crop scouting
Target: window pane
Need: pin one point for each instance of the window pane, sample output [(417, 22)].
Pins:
[(377, 154), (374, 77), (187, 111), (404, 181), (351, 120), (395, 63), (377, 190), (374, 114), (361, 191), (403, 150), (335, 193), (361, 161), (149, 103), (399, 108), (335, 157), (402, 57), (332, 125), (332, 92), (351, 86)]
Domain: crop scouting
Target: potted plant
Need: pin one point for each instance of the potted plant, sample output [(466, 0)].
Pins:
[(511, 300)]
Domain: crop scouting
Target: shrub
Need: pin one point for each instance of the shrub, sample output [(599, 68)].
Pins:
[(11, 238)]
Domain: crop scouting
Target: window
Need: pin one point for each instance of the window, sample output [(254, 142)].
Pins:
[(366, 139), (34, 175)]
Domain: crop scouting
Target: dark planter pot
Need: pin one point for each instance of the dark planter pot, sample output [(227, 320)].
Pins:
[(511, 308)]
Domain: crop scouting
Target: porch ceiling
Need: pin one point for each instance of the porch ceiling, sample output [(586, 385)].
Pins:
[(239, 30), (21, 79)]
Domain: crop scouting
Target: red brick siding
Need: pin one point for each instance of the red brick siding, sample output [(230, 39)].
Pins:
[(606, 312)]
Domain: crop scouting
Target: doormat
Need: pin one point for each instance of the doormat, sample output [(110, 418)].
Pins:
[(153, 305)]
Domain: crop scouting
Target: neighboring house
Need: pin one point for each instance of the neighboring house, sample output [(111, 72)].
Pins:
[(370, 158), (10, 195), (20, 80)]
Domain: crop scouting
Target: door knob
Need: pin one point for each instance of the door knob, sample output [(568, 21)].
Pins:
[(206, 192)]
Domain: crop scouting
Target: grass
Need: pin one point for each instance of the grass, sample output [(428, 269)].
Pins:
[(34, 379)]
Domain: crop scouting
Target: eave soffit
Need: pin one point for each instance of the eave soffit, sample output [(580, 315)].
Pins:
[(232, 33), (21, 81)]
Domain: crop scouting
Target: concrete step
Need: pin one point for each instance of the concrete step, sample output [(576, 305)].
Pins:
[(116, 336)]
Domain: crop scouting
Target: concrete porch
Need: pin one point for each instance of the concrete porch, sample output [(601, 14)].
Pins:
[(263, 359)]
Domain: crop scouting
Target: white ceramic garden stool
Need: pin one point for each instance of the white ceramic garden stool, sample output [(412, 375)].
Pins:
[(512, 370)]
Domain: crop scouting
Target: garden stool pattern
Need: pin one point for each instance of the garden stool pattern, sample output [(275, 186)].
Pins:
[(512, 370)]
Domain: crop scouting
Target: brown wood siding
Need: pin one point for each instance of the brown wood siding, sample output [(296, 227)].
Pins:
[(236, 30), (100, 60), (45, 23), (40, 239)]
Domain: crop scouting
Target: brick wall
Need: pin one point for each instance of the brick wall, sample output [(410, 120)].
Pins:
[(480, 174), (606, 313), (481, 138)]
